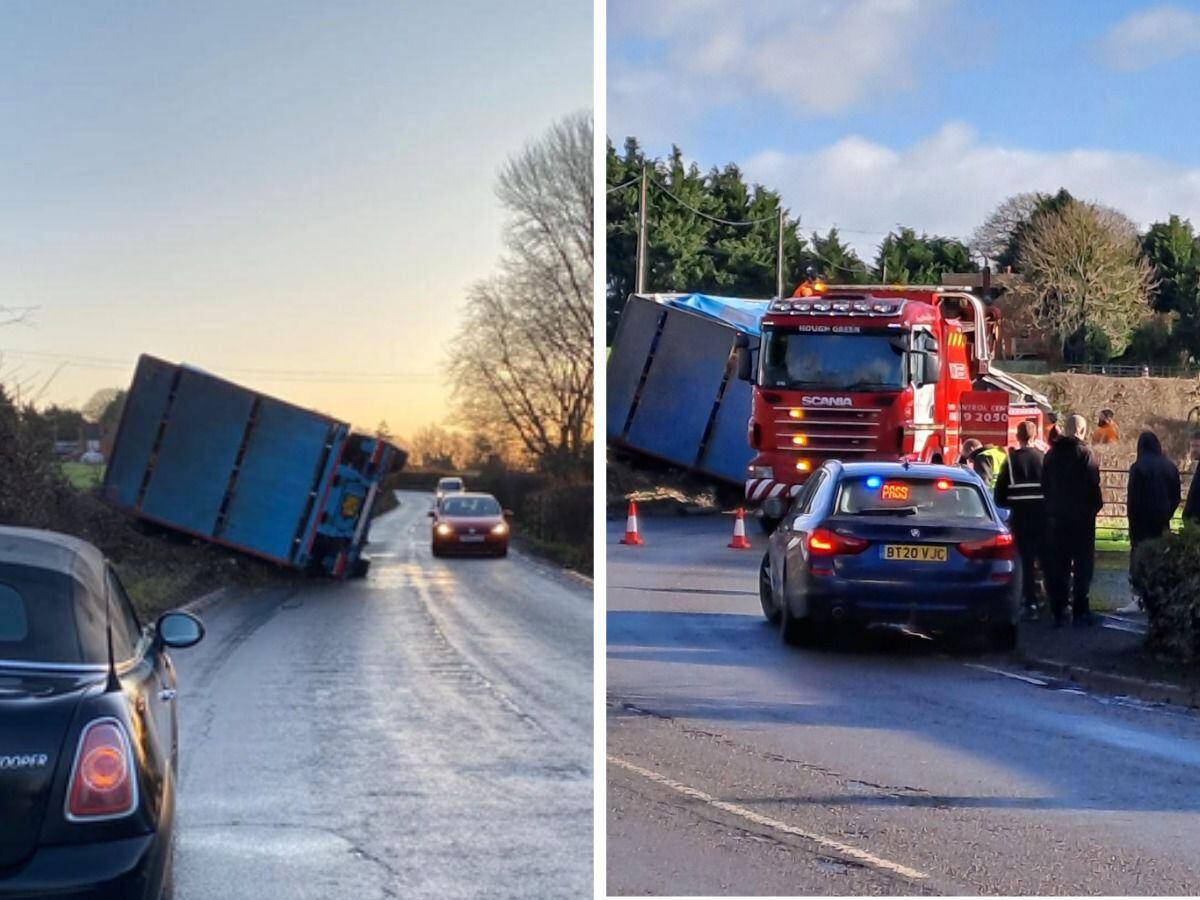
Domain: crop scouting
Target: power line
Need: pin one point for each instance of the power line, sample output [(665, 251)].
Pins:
[(705, 215), (111, 363), (632, 181)]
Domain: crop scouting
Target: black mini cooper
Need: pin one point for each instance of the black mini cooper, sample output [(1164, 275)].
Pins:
[(88, 729)]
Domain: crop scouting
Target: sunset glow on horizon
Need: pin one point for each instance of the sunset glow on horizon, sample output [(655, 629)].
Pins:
[(287, 195)]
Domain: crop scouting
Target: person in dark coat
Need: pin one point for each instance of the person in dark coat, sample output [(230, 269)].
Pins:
[(1152, 497), (1153, 493), (1191, 507), (1071, 487), (1019, 488)]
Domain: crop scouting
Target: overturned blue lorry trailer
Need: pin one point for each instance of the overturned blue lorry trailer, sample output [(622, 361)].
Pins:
[(673, 390), (203, 456)]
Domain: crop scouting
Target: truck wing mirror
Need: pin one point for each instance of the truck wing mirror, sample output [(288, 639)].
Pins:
[(933, 369), (745, 365), (743, 353)]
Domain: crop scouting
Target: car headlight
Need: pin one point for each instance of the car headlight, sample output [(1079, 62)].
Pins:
[(500, 528), (444, 530)]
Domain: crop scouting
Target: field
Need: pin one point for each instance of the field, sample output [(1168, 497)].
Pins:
[(82, 475)]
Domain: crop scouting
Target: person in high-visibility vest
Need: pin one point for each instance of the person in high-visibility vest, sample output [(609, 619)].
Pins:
[(985, 461), (1019, 488)]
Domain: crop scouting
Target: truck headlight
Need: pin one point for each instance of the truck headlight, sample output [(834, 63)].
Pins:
[(760, 472)]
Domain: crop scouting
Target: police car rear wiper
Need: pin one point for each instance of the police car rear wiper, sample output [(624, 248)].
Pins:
[(888, 511)]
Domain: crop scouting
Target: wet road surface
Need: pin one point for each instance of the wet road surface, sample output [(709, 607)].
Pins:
[(740, 766), (426, 731)]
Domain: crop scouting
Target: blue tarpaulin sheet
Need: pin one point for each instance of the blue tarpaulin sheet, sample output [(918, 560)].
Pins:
[(744, 315)]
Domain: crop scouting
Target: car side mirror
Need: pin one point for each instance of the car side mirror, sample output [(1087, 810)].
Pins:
[(1005, 513), (431, 514), (178, 629), (508, 513)]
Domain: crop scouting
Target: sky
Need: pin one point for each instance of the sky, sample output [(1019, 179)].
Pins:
[(867, 114), (295, 195)]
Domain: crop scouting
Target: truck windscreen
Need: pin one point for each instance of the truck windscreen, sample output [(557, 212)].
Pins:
[(848, 362)]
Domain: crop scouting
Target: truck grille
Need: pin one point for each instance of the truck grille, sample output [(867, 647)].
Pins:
[(826, 431)]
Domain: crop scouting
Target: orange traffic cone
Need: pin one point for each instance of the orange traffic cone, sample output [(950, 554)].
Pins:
[(739, 541), (631, 527)]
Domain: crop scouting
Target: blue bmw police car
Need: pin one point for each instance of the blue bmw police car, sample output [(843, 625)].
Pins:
[(917, 547)]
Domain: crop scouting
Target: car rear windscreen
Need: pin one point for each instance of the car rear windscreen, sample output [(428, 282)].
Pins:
[(921, 498), (46, 617)]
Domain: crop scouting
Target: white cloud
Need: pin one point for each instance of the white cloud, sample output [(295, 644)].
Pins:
[(1150, 37), (814, 56), (948, 183)]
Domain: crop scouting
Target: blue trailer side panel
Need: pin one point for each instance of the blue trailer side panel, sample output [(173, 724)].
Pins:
[(144, 407), (205, 429), (631, 347), (224, 463), (691, 409), (277, 474), (728, 451), (681, 386)]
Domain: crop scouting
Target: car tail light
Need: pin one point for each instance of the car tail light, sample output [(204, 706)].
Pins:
[(823, 542), (1000, 546), (103, 783)]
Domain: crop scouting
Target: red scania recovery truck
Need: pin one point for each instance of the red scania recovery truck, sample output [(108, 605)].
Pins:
[(858, 372)]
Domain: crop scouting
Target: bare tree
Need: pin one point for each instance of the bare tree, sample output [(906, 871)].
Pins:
[(434, 447), (98, 404), (522, 362), (994, 237), (16, 315), (1082, 266)]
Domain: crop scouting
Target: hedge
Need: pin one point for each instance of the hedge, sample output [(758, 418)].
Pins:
[(1166, 573)]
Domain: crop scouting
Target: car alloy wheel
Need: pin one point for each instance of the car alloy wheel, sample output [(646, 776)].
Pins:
[(765, 594)]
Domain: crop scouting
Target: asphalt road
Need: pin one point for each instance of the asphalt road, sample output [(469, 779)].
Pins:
[(426, 731), (737, 765)]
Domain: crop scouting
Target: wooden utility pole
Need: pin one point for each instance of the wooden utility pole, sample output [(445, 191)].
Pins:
[(640, 280), (779, 259)]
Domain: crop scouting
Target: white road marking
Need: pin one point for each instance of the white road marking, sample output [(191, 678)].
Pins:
[(862, 856), (1116, 623), (1028, 679)]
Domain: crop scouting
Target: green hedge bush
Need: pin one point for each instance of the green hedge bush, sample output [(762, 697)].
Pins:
[(1166, 573)]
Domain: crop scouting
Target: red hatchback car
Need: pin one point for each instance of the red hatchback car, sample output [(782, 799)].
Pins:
[(470, 523)]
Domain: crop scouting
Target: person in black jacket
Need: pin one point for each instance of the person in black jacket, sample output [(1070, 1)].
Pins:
[(1191, 507), (1071, 487), (1152, 496), (1019, 488)]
